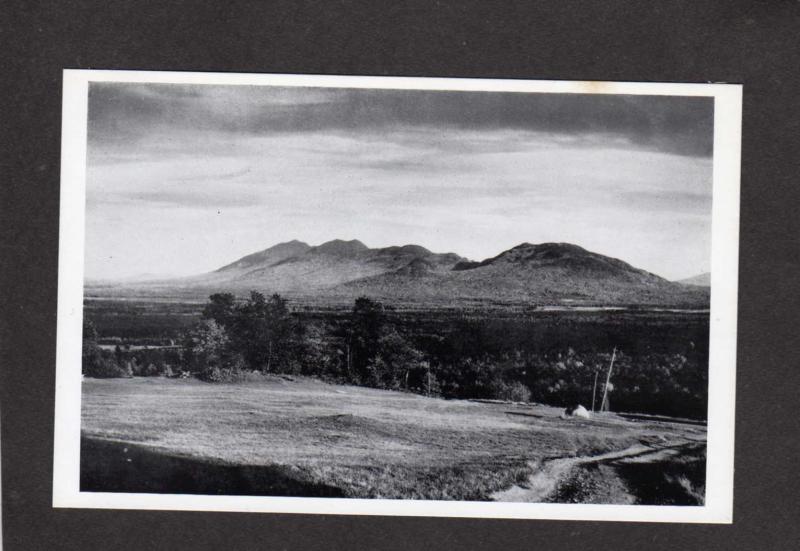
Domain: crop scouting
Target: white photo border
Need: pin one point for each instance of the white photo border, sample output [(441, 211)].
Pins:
[(718, 507)]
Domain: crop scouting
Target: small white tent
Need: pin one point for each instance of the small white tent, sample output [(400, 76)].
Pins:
[(577, 411)]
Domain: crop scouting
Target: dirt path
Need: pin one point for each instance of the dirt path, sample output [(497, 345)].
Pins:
[(547, 474)]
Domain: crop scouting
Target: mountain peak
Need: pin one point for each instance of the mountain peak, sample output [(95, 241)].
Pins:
[(339, 247), (551, 248), (542, 252), (272, 255), (415, 249)]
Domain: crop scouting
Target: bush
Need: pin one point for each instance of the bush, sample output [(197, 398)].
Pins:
[(234, 372), (212, 375), (150, 371), (512, 392), (101, 367), (94, 361), (207, 346), (221, 375)]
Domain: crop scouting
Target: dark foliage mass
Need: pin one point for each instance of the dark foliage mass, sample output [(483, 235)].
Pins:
[(558, 358), (121, 361)]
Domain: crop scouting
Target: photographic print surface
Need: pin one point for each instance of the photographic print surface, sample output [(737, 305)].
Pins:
[(441, 297)]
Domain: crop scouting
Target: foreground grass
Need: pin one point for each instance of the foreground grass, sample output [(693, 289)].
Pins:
[(362, 442)]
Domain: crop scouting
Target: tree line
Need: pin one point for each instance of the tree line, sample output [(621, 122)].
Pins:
[(237, 340)]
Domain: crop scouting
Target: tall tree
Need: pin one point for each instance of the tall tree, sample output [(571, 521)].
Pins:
[(220, 308), (264, 331), (211, 345), (94, 363), (365, 328)]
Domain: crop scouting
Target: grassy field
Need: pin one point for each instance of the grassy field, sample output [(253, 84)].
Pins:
[(282, 436)]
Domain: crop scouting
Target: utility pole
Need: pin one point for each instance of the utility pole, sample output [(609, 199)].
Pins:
[(594, 389), (349, 346), (428, 390), (604, 403)]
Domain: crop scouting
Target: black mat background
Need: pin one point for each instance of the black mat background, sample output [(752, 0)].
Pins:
[(749, 42)]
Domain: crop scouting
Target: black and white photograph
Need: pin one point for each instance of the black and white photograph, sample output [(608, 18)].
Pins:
[(397, 296)]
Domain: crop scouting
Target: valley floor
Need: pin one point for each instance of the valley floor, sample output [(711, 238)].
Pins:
[(302, 437)]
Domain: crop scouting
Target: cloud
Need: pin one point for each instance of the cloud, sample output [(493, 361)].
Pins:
[(669, 201), (124, 111), (177, 199)]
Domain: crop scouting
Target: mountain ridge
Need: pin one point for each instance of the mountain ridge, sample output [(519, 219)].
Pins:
[(527, 273), (543, 273)]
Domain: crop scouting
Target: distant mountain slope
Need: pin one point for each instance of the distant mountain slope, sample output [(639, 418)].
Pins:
[(267, 257), (315, 268), (547, 273), (700, 280)]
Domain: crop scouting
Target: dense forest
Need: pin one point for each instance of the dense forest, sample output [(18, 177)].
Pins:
[(660, 363)]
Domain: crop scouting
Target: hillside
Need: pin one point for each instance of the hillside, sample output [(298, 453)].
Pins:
[(333, 263), (700, 280), (549, 273), (338, 270), (267, 257)]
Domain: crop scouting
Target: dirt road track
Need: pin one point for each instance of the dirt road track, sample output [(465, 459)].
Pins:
[(548, 473)]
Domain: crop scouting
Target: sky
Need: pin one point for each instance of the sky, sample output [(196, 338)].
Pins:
[(183, 179)]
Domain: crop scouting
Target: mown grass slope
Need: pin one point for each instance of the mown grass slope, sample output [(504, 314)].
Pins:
[(309, 435)]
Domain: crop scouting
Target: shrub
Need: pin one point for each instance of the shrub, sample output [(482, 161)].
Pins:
[(234, 372), (96, 363), (513, 392), (221, 375), (150, 371), (211, 345), (101, 367), (211, 375)]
